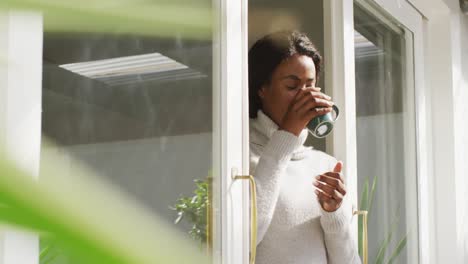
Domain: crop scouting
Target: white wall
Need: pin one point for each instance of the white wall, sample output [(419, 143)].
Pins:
[(462, 99), (449, 88), (459, 33), (459, 26)]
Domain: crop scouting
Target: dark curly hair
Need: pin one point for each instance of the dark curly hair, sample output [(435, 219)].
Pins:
[(268, 52)]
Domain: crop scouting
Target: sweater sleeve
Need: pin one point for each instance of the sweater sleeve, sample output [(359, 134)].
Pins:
[(267, 171), (338, 237)]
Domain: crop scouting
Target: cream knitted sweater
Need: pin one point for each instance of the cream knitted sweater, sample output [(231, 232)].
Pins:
[(292, 226)]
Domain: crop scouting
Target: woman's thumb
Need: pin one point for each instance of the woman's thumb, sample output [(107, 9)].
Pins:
[(338, 166)]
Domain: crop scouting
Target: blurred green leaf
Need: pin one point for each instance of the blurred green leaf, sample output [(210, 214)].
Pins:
[(89, 217), (177, 18)]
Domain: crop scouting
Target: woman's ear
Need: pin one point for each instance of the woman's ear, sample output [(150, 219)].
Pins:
[(261, 91)]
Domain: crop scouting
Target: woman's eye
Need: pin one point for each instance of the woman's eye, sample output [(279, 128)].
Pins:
[(291, 87)]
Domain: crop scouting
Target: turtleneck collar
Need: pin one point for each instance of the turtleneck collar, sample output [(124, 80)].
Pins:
[(262, 129)]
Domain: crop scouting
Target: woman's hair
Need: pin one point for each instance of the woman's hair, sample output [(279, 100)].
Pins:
[(268, 52)]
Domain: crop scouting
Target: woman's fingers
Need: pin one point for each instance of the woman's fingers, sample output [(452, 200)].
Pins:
[(311, 103), (316, 106), (332, 182), (306, 94), (336, 175), (303, 92), (307, 103), (309, 99), (322, 196), (328, 197), (329, 189), (318, 111)]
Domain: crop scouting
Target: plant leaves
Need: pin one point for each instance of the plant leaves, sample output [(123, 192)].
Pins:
[(398, 249), (364, 196), (384, 245), (371, 197), (194, 210)]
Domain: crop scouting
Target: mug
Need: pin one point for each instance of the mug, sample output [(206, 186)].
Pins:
[(321, 126)]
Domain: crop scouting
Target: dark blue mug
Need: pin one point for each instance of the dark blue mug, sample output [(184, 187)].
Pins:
[(321, 126)]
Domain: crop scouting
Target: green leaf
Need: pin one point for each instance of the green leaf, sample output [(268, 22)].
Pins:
[(383, 248), (398, 249), (49, 258), (371, 197), (180, 216), (45, 251), (194, 210), (103, 226), (364, 196), (384, 245)]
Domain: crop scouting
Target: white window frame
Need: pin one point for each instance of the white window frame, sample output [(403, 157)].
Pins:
[(20, 114), (235, 201)]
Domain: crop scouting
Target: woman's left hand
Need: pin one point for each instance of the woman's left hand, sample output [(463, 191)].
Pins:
[(331, 189)]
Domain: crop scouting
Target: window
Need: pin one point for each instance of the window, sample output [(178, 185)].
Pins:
[(386, 134)]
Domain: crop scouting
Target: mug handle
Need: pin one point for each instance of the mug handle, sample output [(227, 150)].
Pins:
[(337, 112)]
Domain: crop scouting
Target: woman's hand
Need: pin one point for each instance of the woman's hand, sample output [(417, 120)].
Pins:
[(331, 189), (307, 104)]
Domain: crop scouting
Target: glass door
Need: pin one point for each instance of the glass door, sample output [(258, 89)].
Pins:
[(386, 134), (149, 107)]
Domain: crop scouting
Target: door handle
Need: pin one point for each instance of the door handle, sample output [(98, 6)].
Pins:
[(253, 215), (365, 245)]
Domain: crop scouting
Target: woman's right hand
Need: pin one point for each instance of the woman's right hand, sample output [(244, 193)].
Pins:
[(308, 103)]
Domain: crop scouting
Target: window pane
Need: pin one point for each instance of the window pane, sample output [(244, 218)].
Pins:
[(137, 108), (386, 134)]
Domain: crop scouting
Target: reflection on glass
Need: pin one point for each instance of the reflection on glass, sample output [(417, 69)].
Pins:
[(386, 137), (136, 109)]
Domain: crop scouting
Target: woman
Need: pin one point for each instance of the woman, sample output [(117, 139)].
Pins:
[(296, 224)]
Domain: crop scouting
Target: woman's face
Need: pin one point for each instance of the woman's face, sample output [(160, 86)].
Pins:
[(288, 78)]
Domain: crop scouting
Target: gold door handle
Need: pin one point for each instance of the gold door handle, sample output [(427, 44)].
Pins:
[(253, 216), (365, 245)]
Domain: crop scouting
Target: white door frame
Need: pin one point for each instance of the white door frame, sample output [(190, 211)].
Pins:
[(231, 61), (339, 80)]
